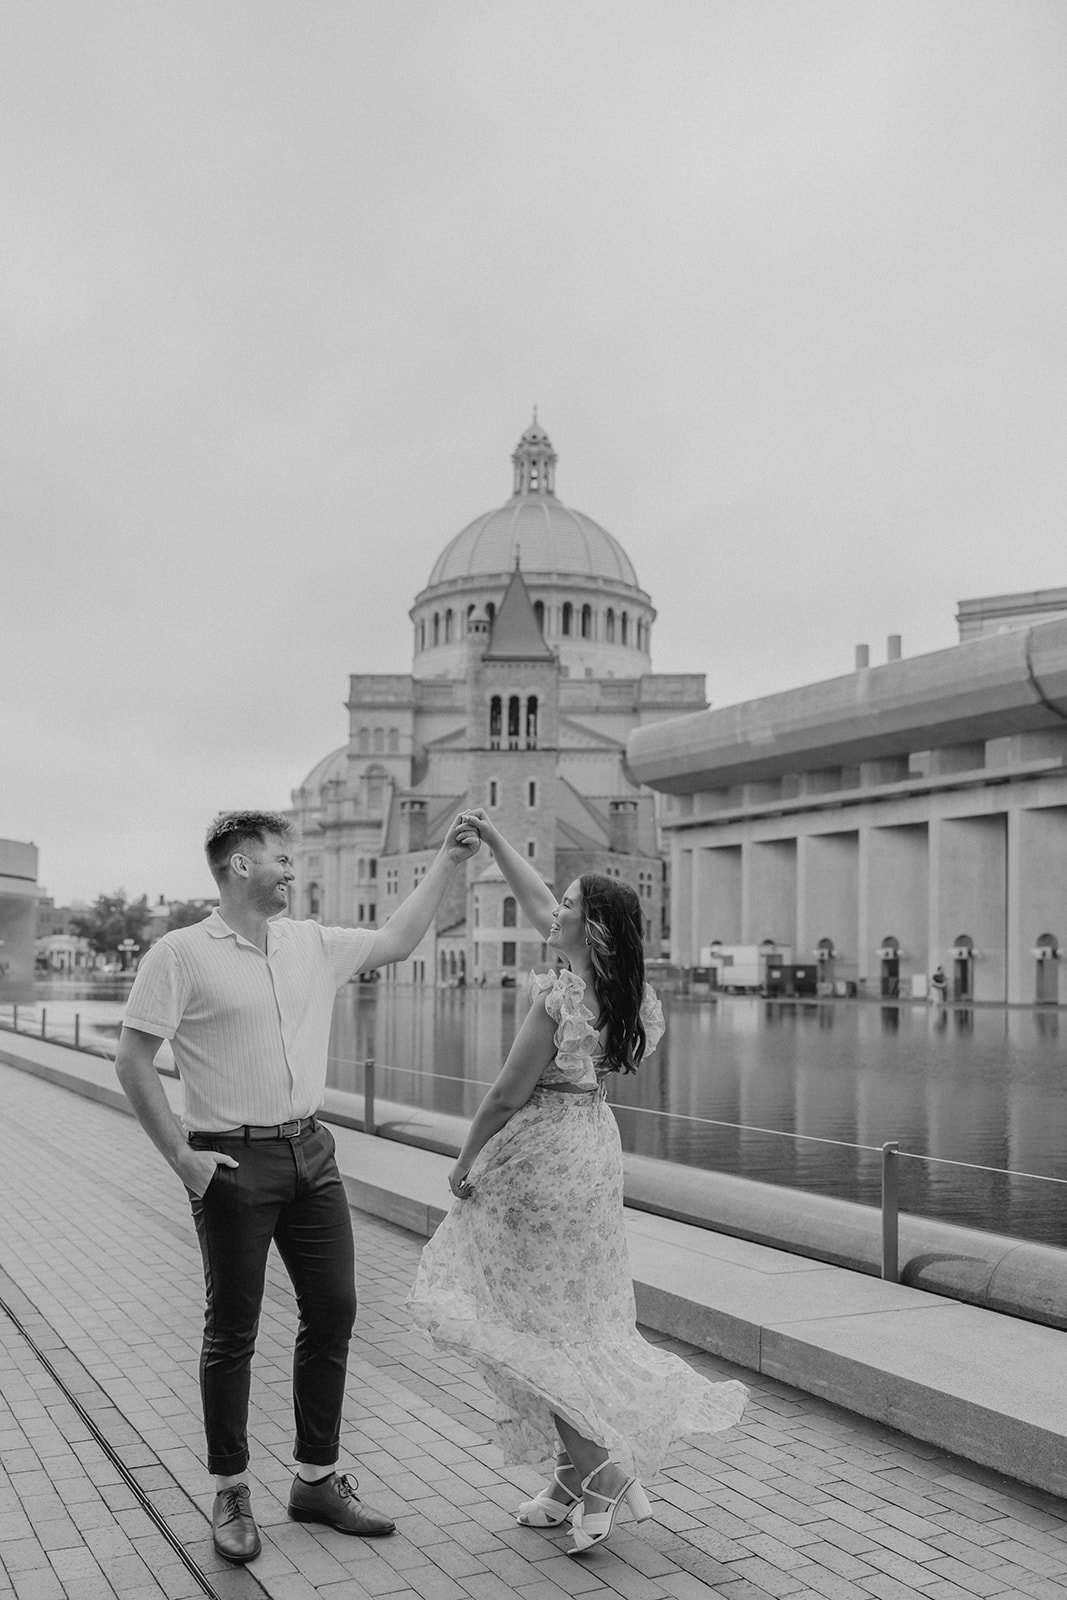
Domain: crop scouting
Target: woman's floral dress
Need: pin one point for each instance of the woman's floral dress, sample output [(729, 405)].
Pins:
[(531, 1276)]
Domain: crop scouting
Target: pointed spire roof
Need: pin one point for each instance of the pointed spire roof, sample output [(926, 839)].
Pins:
[(516, 633)]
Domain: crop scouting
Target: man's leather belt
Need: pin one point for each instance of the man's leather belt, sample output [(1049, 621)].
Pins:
[(278, 1130)]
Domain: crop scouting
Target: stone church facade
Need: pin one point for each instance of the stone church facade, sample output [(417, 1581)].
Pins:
[(531, 667)]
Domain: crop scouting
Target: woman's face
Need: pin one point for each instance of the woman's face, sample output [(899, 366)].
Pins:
[(567, 929)]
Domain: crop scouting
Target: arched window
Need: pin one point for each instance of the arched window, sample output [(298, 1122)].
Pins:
[(436, 628), (490, 610), (495, 713), (509, 911), (313, 900), (448, 626), (379, 741), (609, 625), (624, 629), (422, 634), (539, 613), (565, 619), (587, 622), (531, 722), (394, 741), (375, 781), (444, 966), (513, 722), (364, 741)]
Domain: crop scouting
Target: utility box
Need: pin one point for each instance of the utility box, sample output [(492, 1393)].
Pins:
[(789, 980)]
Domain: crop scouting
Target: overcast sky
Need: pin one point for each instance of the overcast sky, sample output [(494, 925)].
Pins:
[(280, 284)]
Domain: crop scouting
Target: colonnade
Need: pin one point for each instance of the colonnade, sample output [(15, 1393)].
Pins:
[(878, 899)]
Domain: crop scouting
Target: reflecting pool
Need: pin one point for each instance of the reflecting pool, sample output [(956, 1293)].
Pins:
[(981, 1085), (984, 1085)]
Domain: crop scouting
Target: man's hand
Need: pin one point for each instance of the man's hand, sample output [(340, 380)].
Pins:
[(462, 840), (477, 817), (196, 1168)]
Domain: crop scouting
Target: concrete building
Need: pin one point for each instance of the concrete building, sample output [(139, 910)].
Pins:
[(906, 816), (19, 894), (531, 666)]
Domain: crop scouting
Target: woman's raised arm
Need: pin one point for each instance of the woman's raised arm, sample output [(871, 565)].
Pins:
[(531, 890)]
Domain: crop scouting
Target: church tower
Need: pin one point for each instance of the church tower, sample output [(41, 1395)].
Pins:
[(513, 724)]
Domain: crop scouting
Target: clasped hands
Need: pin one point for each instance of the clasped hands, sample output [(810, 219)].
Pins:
[(463, 839)]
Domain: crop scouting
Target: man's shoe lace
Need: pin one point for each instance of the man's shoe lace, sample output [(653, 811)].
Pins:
[(236, 1502)]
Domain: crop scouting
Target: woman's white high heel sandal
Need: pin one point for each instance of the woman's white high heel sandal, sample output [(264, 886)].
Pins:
[(593, 1530), (544, 1510)]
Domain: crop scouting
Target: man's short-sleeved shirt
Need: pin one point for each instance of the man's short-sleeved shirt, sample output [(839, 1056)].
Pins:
[(250, 1032)]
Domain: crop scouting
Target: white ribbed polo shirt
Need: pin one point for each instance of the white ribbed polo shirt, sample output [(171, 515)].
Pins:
[(250, 1032)]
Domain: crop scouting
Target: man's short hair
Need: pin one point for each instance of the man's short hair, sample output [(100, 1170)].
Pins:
[(231, 830)]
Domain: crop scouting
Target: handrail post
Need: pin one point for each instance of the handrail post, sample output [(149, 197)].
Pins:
[(44, 1020), (368, 1096), (890, 1212), (14, 1018), (77, 1030)]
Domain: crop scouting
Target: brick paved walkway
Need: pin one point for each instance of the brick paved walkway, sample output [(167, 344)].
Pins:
[(98, 1263)]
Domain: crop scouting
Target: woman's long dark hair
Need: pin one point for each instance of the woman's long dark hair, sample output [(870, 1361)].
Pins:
[(614, 932)]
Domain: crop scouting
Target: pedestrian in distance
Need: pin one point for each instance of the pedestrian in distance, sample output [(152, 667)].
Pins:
[(246, 997), (938, 987), (529, 1275)]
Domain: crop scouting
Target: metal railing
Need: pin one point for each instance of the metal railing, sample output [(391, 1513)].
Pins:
[(890, 1153)]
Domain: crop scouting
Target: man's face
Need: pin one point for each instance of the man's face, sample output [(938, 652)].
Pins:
[(269, 872)]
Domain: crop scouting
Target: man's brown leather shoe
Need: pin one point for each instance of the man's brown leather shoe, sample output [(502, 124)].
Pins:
[(233, 1529), (333, 1500)]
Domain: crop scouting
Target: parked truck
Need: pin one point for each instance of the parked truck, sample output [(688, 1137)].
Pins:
[(741, 968)]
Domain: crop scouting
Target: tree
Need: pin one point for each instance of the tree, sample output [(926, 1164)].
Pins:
[(183, 913), (111, 920)]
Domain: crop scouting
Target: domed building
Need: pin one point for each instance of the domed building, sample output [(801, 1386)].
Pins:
[(531, 666)]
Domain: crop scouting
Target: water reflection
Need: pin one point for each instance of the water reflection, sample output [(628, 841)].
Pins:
[(973, 1084), (978, 1085)]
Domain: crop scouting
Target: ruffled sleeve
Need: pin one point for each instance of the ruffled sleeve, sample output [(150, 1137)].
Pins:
[(575, 1037), (652, 1018)]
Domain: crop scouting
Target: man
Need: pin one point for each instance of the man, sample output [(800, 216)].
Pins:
[(246, 998)]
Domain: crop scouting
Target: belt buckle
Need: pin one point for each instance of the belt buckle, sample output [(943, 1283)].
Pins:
[(289, 1130)]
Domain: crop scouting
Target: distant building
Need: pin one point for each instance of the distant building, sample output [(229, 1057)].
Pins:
[(59, 950), (531, 666), (19, 895), (882, 824)]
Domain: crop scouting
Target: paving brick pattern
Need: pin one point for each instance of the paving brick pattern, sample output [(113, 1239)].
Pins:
[(99, 1264)]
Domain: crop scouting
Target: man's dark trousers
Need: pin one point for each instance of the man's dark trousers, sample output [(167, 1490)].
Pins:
[(288, 1190)]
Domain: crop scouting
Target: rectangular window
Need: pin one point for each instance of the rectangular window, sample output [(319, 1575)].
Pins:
[(531, 847), (492, 792), (372, 868), (373, 910), (531, 792), (508, 957)]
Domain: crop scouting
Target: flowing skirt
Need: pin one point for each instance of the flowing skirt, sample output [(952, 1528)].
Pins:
[(530, 1278)]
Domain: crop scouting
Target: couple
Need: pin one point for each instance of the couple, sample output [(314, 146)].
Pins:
[(246, 998)]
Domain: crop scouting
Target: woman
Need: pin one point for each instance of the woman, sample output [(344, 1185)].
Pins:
[(529, 1274)]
